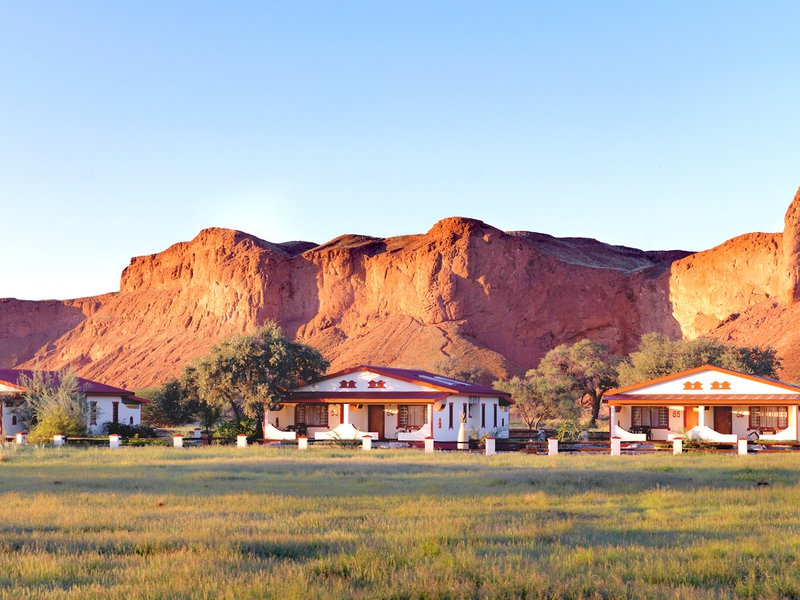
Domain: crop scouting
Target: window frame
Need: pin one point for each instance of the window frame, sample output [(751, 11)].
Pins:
[(661, 414), (320, 411), (776, 417)]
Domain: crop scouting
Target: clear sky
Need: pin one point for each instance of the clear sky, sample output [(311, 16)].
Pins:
[(128, 126)]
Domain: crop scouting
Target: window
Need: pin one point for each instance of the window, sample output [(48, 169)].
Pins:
[(115, 412), (494, 410), (450, 410), (411, 416), (769, 417), (483, 415), (93, 412), (311, 415), (650, 416)]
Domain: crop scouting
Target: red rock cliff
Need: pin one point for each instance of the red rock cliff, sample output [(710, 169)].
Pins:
[(464, 291)]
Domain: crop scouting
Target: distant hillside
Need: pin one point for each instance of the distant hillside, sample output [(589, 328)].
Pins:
[(464, 293)]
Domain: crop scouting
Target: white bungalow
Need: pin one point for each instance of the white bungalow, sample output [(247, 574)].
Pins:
[(707, 403), (404, 405), (106, 403)]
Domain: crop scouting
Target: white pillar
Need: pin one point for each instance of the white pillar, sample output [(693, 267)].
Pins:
[(113, 440), (198, 433), (22, 438), (552, 446), (366, 442), (677, 446), (241, 441), (742, 446), (58, 440), (428, 445), (302, 443), (612, 421), (701, 416), (177, 441), (345, 413), (490, 446), (616, 446)]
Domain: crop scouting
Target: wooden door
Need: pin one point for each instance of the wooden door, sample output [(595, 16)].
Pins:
[(722, 419), (375, 420), (690, 417)]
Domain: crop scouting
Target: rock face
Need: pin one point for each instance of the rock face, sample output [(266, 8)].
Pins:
[(462, 295), (464, 292)]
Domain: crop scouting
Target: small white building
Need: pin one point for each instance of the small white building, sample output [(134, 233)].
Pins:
[(387, 403), (707, 403), (106, 403)]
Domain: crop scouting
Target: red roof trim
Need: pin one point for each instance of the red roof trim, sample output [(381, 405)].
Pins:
[(419, 376), (376, 397), (701, 369), (693, 399)]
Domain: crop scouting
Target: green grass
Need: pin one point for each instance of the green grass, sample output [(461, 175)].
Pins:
[(225, 522)]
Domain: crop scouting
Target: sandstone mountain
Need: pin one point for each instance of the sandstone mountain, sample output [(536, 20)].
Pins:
[(461, 296)]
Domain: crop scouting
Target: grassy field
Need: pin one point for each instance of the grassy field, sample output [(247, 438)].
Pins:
[(224, 522)]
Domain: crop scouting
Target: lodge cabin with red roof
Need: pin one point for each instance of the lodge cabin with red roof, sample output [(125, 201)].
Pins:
[(106, 403), (386, 403), (706, 404)]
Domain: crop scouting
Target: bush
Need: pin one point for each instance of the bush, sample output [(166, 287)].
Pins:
[(57, 405), (56, 423), (130, 431), (568, 431), (233, 427)]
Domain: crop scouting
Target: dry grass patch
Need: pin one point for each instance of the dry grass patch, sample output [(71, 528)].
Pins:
[(265, 522)]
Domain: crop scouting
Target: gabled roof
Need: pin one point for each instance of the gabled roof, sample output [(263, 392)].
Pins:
[(86, 386), (706, 384), (410, 386), (455, 386)]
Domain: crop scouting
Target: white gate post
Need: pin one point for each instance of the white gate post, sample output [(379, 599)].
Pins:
[(58, 440), (428, 445), (677, 446), (490, 446), (366, 442), (113, 440), (302, 442), (241, 441), (552, 446), (616, 446), (177, 441), (742, 446)]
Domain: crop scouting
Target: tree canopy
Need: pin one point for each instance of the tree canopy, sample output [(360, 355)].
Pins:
[(587, 369), (659, 355), (246, 372)]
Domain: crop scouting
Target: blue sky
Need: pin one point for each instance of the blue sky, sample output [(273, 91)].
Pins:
[(128, 126)]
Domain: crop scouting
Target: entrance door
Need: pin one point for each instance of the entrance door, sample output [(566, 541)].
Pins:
[(375, 420), (722, 419), (689, 417)]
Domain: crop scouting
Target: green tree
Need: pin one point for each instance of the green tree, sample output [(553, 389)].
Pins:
[(659, 356), (56, 404), (536, 400), (169, 405), (587, 369), (245, 373)]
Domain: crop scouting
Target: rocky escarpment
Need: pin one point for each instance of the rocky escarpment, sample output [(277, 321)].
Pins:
[(745, 291), (464, 293)]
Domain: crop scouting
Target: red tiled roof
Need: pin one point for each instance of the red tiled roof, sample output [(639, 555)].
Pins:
[(441, 382), (87, 386)]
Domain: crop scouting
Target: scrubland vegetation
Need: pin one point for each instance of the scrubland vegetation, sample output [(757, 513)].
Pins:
[(221, 522)]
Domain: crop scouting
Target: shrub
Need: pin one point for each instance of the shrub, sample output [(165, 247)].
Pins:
[(56, 404), (568, 431), (233, 427), (130, 431)]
